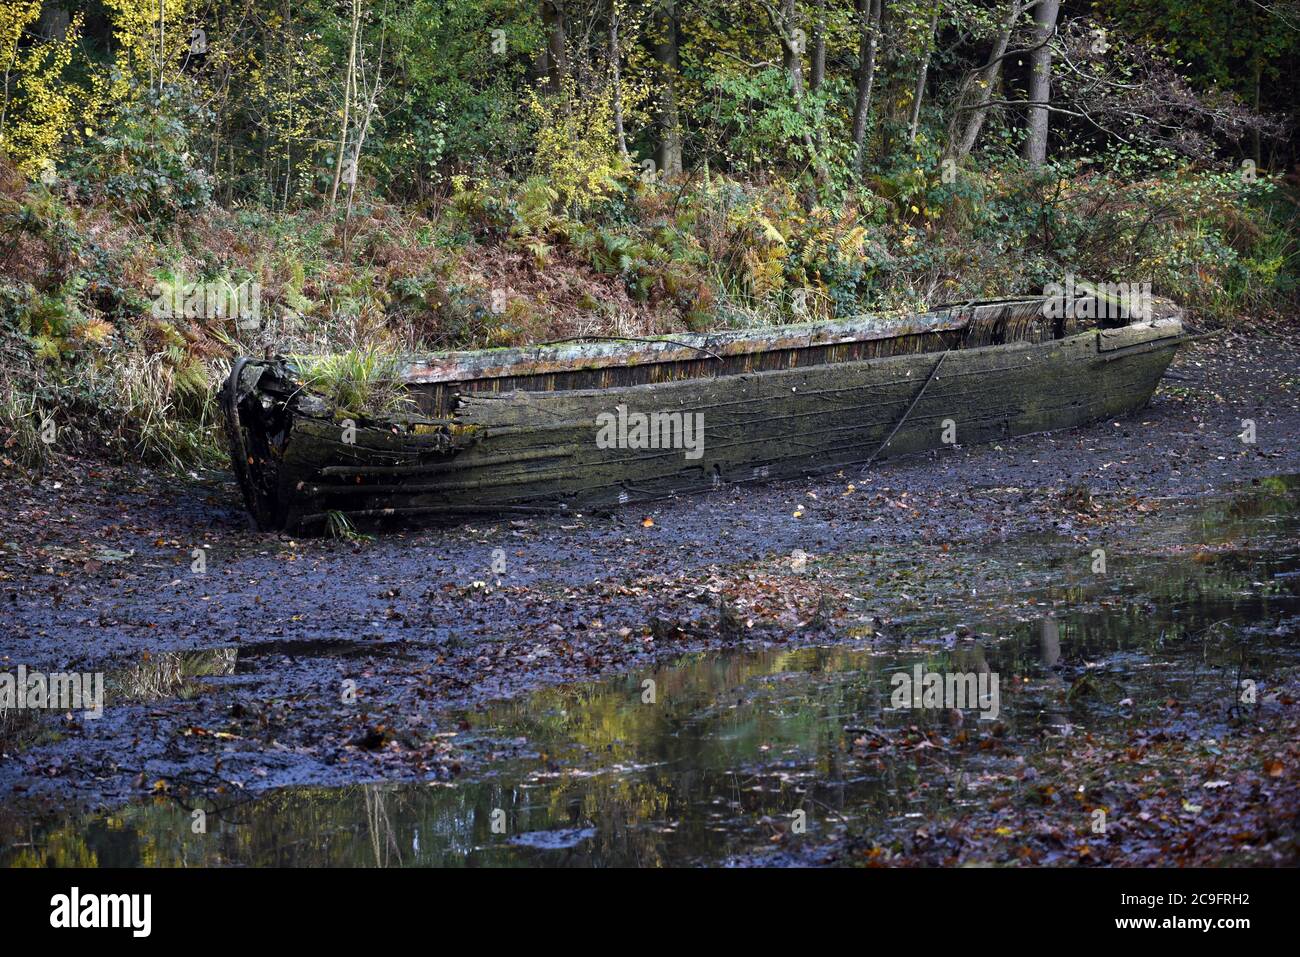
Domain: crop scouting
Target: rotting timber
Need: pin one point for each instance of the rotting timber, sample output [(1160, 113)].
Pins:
[(515, 430)]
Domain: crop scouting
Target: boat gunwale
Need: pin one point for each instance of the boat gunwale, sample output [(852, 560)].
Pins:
[(596, 352), (1167, 332)]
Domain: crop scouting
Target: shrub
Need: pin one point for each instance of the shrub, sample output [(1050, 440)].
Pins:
[(574, 148), (141, 159)]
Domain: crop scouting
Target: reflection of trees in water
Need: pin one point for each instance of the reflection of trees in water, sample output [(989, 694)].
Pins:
[(162, 675), (383, 838), (711, 749), (1233, 518), (167, 674), (1049, 641), (29, 846)]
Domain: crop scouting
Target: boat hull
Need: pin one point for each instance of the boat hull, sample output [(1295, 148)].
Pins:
[(579, 449)]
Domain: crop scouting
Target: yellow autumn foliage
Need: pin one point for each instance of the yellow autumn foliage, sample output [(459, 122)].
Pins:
[(37, 108), (141, 53), (575, 147)]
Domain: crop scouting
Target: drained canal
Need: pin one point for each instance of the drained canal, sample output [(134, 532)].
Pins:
[(783, 754)]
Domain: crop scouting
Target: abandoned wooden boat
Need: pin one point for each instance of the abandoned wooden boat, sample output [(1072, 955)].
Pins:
[(598, 424)]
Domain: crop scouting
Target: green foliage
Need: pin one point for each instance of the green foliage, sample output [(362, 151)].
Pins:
[(21, 422), (459, 108), (39, 102), (339, 526), (764, 129), (142, 161), (1220, 44), (575, 150)]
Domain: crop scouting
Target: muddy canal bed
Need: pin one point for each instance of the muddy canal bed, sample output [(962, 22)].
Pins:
[(797, 753)]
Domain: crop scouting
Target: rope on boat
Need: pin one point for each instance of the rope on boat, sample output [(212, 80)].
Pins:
[(933, 372), (899, 425)]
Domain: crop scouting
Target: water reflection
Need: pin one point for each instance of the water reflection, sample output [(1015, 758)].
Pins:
[(1049, 641), (170, 674)]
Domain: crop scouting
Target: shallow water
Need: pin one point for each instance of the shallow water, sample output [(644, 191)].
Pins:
[(742, 752)]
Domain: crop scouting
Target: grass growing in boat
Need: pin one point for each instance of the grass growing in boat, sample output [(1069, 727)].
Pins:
[(356, 381), (339, 526)]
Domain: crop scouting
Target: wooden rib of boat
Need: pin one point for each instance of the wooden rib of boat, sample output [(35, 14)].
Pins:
[(593, 425)]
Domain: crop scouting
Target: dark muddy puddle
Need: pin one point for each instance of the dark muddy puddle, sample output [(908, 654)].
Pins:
[(757, 755)]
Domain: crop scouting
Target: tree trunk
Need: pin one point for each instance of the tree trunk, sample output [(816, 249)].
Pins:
[(1040, 82), (4, 104), (615, 77), (784, 24), (869, 23), (919, 92), (162, 32), (557, 59), (893, 25), (818, 72), (988, 77), (791, 49), (1259, 154), (371, 103), (347, 102), (289, 61), (668, 155)]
